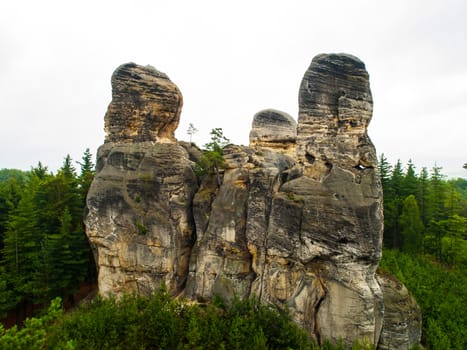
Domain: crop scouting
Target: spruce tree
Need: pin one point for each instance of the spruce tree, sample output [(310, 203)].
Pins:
[(436, 212), (410, 181), (423, 195), (385, 171), (393, 208), (86, 174), (21, 244), (411, 226)]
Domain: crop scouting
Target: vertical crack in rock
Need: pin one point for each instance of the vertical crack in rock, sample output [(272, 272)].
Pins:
[(316, 329), (267, 212), (296, 220)]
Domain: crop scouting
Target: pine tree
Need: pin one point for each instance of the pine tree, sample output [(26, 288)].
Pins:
[(410, 182), (385, 171), (10, 195), (61, 202), (436, 212), (8, 297), (393, 208), (191, 131), (86, 174), (41, 171), (411, 226), (21, 244), (423, 195), (454, 246)]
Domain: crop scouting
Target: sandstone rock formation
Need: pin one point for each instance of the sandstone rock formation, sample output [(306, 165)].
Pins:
[(275, 130), (402, 322), (139, 220), (145, 106), (296, 220)]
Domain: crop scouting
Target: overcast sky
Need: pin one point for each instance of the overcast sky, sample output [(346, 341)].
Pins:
[(230, 59)]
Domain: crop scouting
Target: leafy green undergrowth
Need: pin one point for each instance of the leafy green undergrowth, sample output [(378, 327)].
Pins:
[(33, 334), (441, 293), (161, 322)]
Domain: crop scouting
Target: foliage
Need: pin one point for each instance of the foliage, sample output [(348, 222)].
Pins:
[(33, 334), (8, 174), (44, 252), (411, 225), (212, 160), (425, 216), (161, 322), (441, 294), (424, 213)]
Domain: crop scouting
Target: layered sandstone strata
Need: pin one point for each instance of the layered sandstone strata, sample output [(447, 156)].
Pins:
[(295, 218)]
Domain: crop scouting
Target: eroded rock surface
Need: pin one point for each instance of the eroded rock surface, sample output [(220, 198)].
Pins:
[(295, 218), (145, 106), (139, 219), (343, 216), (275, 130), (402, 322)]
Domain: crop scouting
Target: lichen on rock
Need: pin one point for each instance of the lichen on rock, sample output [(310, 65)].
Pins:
[(295, 218)]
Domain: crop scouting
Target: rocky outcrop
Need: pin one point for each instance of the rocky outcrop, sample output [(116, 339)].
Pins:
[(402, 322), (295, 218), (274, 130), (145, 106), (139, 219), (342, 224)]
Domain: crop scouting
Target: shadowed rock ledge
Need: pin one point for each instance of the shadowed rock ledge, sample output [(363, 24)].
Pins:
[(296, 220)]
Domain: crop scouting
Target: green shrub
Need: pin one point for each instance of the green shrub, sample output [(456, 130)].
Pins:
[(33, 334), (161, 322)]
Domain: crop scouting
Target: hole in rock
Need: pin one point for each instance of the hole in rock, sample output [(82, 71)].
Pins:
[(311, 158), (360, 167), (343, 240)]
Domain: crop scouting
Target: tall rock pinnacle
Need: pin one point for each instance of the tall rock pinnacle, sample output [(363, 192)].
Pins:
[(139, 219)]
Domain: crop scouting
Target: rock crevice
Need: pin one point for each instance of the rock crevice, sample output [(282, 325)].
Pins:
[(295, 218)]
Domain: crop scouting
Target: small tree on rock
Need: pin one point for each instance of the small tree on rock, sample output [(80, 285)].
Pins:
[(191, 131), (212, 160)]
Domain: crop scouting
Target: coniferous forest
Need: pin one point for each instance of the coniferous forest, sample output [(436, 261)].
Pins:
[(425, 246), (44, 254)]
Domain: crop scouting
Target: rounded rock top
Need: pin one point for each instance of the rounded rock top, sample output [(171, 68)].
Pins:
[(272, 126), (145, 105)]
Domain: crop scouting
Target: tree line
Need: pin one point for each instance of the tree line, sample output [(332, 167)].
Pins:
[(44, 252), (424, 213)]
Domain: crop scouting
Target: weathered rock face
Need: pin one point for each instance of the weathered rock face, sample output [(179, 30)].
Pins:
[(274, 130), (139, 220), (145, 106), (296, 220), (342, 195), (402, 322)]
